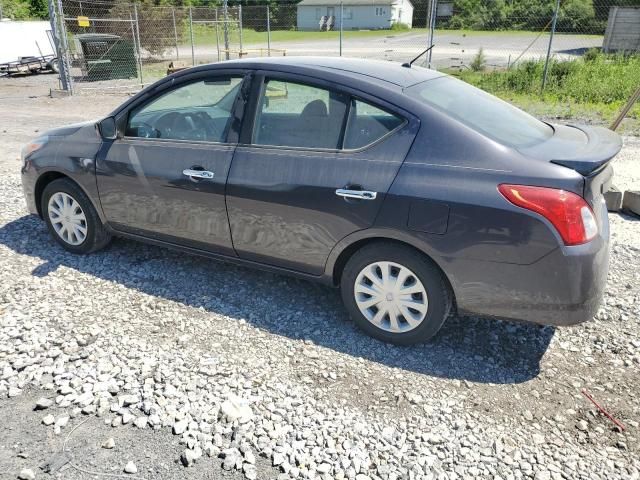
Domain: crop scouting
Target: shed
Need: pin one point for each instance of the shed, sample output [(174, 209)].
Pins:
[(623, 30), (358, 14)]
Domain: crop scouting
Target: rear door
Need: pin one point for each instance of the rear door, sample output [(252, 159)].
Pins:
[(166, 178), (314, 167)]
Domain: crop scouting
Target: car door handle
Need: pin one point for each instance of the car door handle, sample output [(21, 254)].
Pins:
[(357, 194), (197, 173)]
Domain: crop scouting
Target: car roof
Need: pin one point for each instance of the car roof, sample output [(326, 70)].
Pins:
[(387, 71)]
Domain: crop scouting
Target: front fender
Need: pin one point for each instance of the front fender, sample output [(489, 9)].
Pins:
[(71, 156)]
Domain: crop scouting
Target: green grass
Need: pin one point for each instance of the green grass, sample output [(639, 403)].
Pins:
[(205, 34), (593, 89)]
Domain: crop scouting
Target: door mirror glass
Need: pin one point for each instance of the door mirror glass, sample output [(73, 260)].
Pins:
[(108, 129)]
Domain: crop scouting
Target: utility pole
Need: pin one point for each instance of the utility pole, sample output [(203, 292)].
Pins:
[(432, 26), (268, 31), (341, 25), (56, 18)]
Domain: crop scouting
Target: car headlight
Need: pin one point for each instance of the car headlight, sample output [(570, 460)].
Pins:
[(33, 146)]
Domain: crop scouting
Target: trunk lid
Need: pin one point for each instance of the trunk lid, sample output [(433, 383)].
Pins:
[(586, 150), (589, 157)]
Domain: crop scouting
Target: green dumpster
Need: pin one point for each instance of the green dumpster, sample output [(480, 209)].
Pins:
[(106, 57)]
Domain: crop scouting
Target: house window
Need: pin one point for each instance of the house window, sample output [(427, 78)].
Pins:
[(348, 13), (318, 13), (380, 11)]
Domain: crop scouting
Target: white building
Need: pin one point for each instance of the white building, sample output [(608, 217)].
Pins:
[(358, 14)]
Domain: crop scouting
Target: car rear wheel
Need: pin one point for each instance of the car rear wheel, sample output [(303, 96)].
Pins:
[(71, 218), (395, 294)]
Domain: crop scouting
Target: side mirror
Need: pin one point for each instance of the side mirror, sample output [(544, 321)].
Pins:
[(108, 129)]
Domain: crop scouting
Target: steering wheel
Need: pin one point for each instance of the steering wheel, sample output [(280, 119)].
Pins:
[(145, 130), (187, 126)]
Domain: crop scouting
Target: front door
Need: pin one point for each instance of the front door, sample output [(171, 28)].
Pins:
[(166, 178), (315, 168)]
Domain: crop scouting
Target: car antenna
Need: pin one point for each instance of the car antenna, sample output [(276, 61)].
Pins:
[(408, 64)]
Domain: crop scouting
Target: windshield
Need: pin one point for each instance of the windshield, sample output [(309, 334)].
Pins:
[(481, 111)]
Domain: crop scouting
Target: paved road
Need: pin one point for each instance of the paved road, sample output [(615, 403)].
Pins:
[(452, 47)]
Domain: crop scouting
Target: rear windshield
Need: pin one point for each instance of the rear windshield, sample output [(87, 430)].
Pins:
[(481, 111)]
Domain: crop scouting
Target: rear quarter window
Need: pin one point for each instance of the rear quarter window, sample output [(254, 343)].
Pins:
[(481, 111), (368, 124)]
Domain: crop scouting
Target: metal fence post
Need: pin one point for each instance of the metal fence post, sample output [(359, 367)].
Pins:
[(341, 16), (193, 53), (240, 26), (225, 12), (56, 18), (139, 47), (553, 31), (268, 32), (217, 35), (175, 31), (433, 8)]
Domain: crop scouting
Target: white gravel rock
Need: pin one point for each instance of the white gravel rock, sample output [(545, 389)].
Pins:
[(130, 467), (26, 474), (43, 404), (109, 443), (236, 408), (48, 420)]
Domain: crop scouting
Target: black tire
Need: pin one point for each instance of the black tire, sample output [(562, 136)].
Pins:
[(438, 292), (53, 66), (97, 236)]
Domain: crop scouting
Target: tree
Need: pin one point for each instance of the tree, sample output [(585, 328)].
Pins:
[(38, 9), (15, 9)]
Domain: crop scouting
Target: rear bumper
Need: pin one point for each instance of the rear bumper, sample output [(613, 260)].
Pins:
[(564, 287)]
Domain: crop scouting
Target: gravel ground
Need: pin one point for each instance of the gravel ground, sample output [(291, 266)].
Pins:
[(240, 373)]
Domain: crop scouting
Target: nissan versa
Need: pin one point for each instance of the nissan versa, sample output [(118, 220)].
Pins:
[(410, 190)]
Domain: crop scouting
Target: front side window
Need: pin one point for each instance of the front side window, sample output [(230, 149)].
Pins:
[(348, 13), (481, 111), (367, 124), (297, 115), (198, 111)]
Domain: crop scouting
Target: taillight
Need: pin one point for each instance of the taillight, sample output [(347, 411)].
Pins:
[(569, 213)]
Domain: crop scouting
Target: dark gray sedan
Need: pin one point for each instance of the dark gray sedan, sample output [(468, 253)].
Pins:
[(413, 192)]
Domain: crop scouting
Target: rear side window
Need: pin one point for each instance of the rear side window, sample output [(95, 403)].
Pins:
[(297, 115), (481, 111), (368, 124)]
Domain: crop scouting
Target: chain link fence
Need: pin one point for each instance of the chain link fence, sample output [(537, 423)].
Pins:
[(114, 44)]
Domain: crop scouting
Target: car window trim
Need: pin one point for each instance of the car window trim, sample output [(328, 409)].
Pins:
[(244, 75), (246, 138)]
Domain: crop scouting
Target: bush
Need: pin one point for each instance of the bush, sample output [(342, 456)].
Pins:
[(479, 61), (574, 15), (596, 78), (399, 26)]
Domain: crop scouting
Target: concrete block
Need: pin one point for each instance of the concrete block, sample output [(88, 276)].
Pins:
[(631, 202), (613, 198), (56, 93)]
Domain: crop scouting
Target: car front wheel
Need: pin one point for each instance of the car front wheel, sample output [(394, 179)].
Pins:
[(395, 293), (71, 218)]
